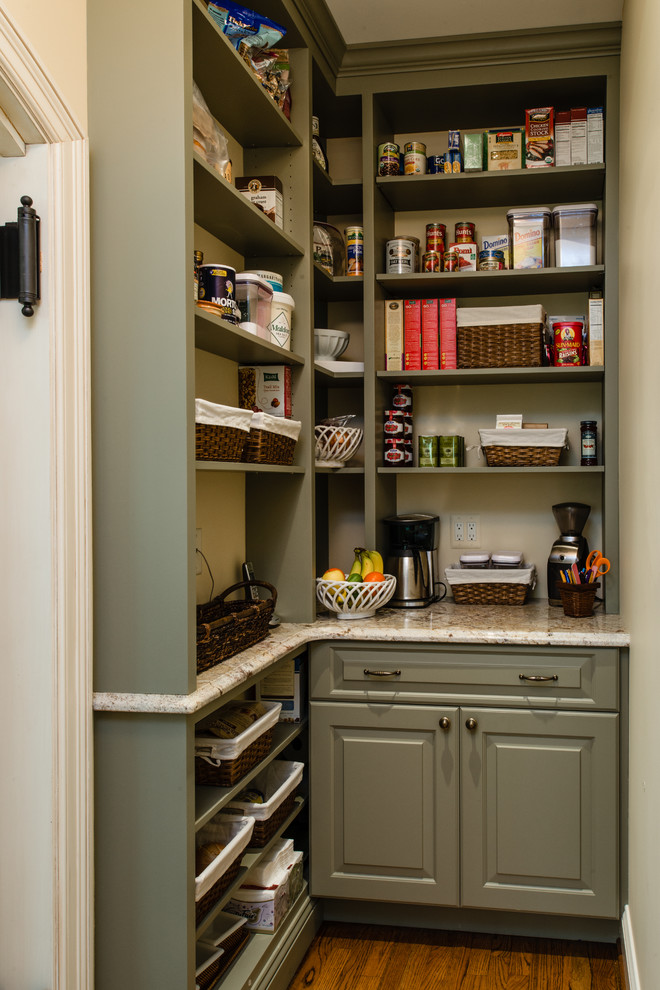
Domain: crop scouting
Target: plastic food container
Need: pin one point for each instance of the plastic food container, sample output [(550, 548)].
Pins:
[(279, 325), (254, 297), (475, 560), (274, 279), (504, 560), (575, 235), (529, 237)]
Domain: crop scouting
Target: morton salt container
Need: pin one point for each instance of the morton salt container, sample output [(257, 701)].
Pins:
[(217, 291)]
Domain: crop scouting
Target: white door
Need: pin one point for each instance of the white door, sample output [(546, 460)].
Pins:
[(26, 612)]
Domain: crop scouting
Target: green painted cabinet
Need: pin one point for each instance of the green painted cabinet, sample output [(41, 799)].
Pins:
[(509, 808)]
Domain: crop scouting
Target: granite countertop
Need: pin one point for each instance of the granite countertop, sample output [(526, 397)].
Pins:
[(535, 624)]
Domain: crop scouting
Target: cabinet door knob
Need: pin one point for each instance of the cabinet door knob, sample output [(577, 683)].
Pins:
[(382, 673), (538, 677), (471, 724), (445, 723)]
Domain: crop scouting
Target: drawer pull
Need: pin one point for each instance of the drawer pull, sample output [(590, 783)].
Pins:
[(382, 673), (538, 677)]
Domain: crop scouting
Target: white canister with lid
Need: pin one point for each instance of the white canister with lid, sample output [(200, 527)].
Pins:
[(274, 279), (254, 295), (475, 560), (281, 312), (509, 558)]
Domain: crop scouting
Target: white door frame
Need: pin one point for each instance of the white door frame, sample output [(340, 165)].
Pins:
[(24, 82)]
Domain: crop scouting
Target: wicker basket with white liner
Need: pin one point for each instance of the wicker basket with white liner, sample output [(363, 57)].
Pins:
[(212, 882), (355, 599), (500, 336), (226, 935), (336, 441), (220, 431), (278, 783), (523, 448), (222, 762), (207, 962), (272, 439), (489, 586)]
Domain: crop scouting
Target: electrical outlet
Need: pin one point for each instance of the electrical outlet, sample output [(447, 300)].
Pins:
[(465, 532), (198, 546)]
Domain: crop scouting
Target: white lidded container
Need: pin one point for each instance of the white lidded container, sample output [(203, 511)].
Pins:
[(475, 560), (281, 314), (506, 559), (274, 279), (254, 296), (575, 235), (529, 237)]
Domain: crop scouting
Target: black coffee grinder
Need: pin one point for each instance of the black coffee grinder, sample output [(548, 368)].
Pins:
[(571, 547)]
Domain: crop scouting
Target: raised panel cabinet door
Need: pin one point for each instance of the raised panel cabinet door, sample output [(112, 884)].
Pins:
[(384, 803), (539, 811)]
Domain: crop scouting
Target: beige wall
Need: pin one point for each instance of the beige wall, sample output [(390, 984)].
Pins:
[(56, 35), (640, 466)]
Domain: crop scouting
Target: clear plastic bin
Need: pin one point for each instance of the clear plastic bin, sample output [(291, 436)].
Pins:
[(254, 297), (529, 237), (575, 235)]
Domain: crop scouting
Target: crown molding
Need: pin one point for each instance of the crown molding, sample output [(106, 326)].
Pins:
[(324, 36), (465, 51)]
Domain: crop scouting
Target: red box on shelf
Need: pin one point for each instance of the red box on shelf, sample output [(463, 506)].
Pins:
[(447, 333), (412, 334), (430, 342)]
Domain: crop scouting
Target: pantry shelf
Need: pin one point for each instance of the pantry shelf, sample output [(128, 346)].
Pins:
[(338, 379), (336, 196), (520, 187), (498, 376), (232, 218), (250, 115), (529, 281), (341, 288), (567, 469), (338, 471), (217, 336), (242, 468)]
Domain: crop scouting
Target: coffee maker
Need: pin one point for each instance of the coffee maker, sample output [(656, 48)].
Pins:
[(412, 559), (569, 548)]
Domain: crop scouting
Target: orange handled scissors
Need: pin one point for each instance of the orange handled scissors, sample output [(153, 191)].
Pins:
[(597, 562)]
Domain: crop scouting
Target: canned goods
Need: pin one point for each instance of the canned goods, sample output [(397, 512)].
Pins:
[(414, 148), (407, 426), (407, 454), (567, 344), (451, 451), (388, 158), (217, 291), (354, 250), (393, 425), (491, 260), (464, 232), (427, 451), (432, 261), (435, 164), (401, 255), (395, 452), (451, 262), (436, 237), (402, 398), (414, 163), (199, 260)]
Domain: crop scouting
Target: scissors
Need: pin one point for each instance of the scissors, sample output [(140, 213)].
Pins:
[(598, 563)]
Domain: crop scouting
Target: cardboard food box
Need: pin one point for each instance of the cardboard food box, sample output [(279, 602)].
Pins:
[(266, 388), (540, 137), (467, 252), (265, 191), (394, 335), (503, 149), (287, 685)]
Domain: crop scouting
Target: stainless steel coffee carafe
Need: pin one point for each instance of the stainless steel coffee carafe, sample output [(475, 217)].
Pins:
[(412, 559)]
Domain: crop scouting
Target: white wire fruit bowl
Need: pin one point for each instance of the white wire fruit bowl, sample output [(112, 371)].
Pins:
[(335, 445), (355, 599)]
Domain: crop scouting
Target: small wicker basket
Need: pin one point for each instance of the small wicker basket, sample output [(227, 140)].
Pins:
[(578, 599), (280, 782), (219, 443), (490, 594), (264, 447), (510, 345), (225, 628), (222, 763), (523, 448)]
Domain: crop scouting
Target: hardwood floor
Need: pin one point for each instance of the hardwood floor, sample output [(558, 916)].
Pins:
[(371, 957)]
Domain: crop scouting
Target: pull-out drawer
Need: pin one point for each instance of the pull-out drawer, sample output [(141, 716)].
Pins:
[(524, 676)]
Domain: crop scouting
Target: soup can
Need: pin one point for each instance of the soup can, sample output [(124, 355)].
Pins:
[(427, 451), (354, 250), (491, 260), (401, 254), (388, 158), (217, 291), (432, 261), (436, 237), (435, 164), (464, 232), (451, 262), (414, 158)]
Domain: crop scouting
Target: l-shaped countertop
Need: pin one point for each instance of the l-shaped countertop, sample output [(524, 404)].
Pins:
[(535, 624)]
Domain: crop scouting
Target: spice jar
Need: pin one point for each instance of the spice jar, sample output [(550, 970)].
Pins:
[(589, 443)]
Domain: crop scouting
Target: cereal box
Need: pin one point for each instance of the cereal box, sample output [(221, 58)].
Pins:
[(540, 137)]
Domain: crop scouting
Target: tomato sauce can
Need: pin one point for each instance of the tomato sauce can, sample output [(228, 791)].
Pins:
[(354, 237), (216, 291), (401, 255), (567, 344), (436, 237), (451, 262), (388, 158), (464, 232), (432, 261)]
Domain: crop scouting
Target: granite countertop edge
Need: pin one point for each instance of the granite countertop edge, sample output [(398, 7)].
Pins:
[(531, 625)]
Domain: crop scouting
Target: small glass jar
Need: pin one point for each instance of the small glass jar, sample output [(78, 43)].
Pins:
[(588, 443)]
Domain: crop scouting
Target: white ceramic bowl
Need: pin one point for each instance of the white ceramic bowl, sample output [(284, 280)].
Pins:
[(335, 445), (355, 599), (330, 344)]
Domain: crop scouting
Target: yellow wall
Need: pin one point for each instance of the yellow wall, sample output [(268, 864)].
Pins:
[(56, 35), (640, 466)]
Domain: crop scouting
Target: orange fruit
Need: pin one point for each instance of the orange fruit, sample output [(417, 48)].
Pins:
[(374, 576)]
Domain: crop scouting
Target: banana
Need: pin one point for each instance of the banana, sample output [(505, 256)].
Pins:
[(367, 563), (377, 561), (357, 563)]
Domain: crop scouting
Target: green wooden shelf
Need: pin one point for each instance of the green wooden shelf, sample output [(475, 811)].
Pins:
[(564, 469), (521, 187), (217, 336), (513, 282), (335, 196), (231, 217), (341, 288), (241, 468), (339, 471), (497, 376), (338, 379)]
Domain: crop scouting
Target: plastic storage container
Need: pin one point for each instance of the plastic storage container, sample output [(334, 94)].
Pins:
[(575, 235), (279, 325), (506, 559), (254, 297), (479, 560), (529, 237)]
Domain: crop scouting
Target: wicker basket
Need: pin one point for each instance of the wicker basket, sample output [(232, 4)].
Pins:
[(522, 456), (230, 943), (523, 448), (490, 594), (225, 628), (577, 599), (264, 447), (251, 747), (219, 443), (218, 877), (280, 782), (510, 345)]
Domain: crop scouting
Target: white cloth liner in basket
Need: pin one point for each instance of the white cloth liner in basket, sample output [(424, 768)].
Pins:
[(488, 575), (214, 414), (222, 926), (236, 832), (275, 782), (493, 316), (276, 424), (215, 751), (523, 438), (205, 956)]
